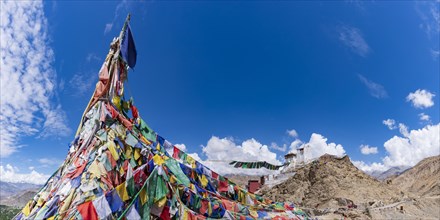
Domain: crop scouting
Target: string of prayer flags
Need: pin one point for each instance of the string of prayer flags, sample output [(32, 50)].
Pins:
[(255, 165)]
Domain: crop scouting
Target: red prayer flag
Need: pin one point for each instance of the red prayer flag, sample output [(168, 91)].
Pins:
[(88, 211), (223, 186)]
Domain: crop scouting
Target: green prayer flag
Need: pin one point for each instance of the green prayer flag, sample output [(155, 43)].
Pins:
[(175, 169)]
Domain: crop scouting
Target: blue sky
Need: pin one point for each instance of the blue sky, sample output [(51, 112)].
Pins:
[(220, 76)]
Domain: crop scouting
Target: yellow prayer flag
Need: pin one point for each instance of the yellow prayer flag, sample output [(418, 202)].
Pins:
[(209, 208), (122, 192), (128, 152), (67, 202), (253, 213), (191, 161), (26, 210), (117, 102), (137, 153), (173, 179), (111, 147), (203, 180), (162, 202), (94, 170), (143, 196), (121, 170), (158, 160)]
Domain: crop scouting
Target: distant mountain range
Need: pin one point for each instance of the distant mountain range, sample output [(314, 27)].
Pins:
[(8, 189), (392, 172)]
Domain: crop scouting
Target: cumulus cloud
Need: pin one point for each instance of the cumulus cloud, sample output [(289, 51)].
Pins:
[(249, 150), (376, 90), (318, 146), (295, 145), (352, 38), (414, 146), (11, 174), (220, 151), (390, 123), (424, 117), (403, 129), (28, 81), (370, 168), (365, 149), (421, 98), (275, 146), (292, 133)]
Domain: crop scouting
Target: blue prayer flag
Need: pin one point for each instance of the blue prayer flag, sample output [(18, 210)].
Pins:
[(128, 49)]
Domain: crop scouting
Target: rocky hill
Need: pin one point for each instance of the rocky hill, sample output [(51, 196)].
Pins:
[(333, 188), (328, 181), (422, 180)]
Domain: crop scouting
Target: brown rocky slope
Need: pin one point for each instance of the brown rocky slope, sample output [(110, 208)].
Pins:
[(423, 179), (328, 180), (333, 188)]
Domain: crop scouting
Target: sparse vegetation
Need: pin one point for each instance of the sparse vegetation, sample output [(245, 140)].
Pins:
[(8, 212)]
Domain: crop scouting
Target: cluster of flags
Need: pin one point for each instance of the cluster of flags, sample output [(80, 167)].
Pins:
[(117, 167), (255, 165)]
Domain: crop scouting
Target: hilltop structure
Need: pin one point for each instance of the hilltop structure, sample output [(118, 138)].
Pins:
[(117, 167)]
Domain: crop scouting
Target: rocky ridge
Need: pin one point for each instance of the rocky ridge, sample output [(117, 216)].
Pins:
[(333, 187)]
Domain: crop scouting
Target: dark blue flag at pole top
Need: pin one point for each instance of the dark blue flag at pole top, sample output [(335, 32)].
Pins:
[(128, 49)]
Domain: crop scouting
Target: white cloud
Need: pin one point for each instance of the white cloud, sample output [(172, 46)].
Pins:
[(424, 117), (421, 98), (55, 123), (123, 6), (403, 129), (275, 146), (417, 145), (376, 90), (435, 54), (220, 151), (370, 168), (82, 83), (352, 38), (47, 162), (408, 150), (92, 57), (292, 133), (390, 123), (108, 27), (318, 146), (227, 149), (28, 81), (295, 144), (365, 149), (428, 12), (11, 174)]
